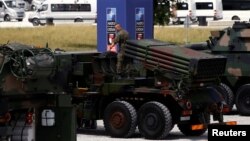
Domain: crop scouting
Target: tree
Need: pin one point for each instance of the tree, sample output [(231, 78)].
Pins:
[(162, 11)]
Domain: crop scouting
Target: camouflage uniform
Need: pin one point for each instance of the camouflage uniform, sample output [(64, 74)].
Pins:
[(120, 39)]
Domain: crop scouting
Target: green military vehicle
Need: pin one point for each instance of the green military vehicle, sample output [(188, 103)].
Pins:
[(33, 102), (161, 85), (233, 43)]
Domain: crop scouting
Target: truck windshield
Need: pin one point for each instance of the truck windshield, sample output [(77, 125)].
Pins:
[(10, 4)]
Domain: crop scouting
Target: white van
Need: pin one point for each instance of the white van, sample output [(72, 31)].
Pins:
[(209, 8), (10, 9), (63, 10), (236, 10), (184, 9)]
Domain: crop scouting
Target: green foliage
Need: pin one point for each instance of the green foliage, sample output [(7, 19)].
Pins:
[(162, 11)]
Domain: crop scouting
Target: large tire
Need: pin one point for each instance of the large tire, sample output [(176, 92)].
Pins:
[(154, 120), (242, 100), (120, 119), (228, 95), (186, 128)]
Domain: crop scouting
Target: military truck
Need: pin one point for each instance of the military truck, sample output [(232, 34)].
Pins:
[(161, 85), (233, 43)]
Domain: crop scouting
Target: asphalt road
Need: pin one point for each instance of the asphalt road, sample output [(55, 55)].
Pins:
[(175, 135)]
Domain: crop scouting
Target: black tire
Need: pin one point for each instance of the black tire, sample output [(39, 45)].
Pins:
[(186, 128), (235, 18), (242, 100), (154, 120), (35, 22), (78, 20), (228, 95), (177, 22), (120, 119), (20, 20), (7, 18)]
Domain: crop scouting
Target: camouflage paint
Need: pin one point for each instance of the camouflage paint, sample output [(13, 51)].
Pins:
[(234, 43), (169, 74)]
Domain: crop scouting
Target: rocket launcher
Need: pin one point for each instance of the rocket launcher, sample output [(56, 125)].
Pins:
[(177, 62)]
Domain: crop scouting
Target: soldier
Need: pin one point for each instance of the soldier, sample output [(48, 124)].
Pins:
[(121, 36)]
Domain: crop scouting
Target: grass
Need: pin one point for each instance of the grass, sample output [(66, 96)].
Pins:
[(182, 35), (83, 37), (65, 37)]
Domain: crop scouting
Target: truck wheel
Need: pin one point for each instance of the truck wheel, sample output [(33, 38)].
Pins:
[(154, 120), (120, 119), (228, 95), (242, 100), (186, 128)]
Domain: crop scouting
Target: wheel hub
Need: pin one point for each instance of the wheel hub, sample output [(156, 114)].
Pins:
[(247, 101), (151, 121), (117, 120)]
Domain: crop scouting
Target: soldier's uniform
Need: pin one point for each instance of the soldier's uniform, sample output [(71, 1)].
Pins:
[(120, 39)]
